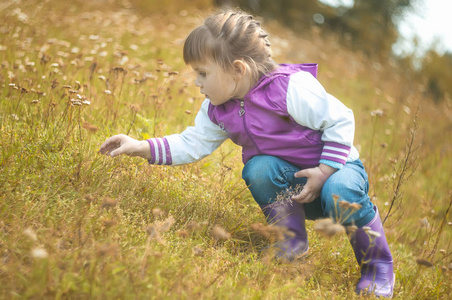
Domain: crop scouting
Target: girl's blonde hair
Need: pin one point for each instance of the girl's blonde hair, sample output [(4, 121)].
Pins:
[(228, 36)]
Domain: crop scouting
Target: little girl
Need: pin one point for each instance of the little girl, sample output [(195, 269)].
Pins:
[(292, 133)]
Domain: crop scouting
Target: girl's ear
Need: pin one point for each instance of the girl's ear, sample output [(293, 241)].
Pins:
[(239, 68)]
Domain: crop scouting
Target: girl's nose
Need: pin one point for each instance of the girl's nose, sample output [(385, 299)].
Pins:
[(198, 83)]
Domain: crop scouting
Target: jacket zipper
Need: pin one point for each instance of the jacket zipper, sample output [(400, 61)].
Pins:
[(242, 108), (242, 114)]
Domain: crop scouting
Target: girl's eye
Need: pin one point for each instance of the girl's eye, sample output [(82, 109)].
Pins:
[(202, 74)]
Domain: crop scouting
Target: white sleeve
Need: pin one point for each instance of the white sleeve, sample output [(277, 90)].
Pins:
[(311, 106), (193, 144)]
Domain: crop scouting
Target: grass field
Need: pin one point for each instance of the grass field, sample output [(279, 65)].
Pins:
[(75, 224)]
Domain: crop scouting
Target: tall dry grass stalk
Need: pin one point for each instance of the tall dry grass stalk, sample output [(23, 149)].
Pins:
[(405, 170)]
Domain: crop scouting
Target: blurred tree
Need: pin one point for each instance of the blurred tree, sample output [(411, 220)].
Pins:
[(370, 25), (436, 71)]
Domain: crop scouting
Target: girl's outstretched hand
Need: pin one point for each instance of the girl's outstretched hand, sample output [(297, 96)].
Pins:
[(316, 177), (123, 144)]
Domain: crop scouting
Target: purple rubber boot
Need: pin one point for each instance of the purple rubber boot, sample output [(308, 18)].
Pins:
[(291, 216), (373, 255)]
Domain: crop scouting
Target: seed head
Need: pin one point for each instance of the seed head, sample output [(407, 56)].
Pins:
[(157, 212), (183, 233), (154, 230), (39, 252), (138, 81), (193, 225), (373, 234), (109, 202), (377, 113), (280, 233), (273, 232), (38, 92), (107, 249), (31, 234), (344, 204), (90, 127), (219, 233), (109, 223), (424, 222), (151, 230), (76, 102), (157, 254), (198, 251), (135, 107), (328, 228), (356, 206), (166, 225), (351, 229), (285, 197), (424, 262), (55, 83), (261, 229)]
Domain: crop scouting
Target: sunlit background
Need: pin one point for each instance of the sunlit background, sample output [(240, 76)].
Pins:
[(426, 25)]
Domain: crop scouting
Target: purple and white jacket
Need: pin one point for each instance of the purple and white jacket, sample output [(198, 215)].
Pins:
[(287, 114)]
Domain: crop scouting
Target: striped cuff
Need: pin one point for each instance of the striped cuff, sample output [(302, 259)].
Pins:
[(331, 163), (160, 152), (335, 152)]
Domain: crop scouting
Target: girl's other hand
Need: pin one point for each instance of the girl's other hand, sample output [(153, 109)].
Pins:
[(123, 144), (316, 177)]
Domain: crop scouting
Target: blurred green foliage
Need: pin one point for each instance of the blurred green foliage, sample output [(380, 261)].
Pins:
[(436, 70), (369, 25)]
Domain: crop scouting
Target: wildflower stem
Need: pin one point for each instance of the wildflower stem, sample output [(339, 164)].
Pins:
[(441, 227), (134, 115), (408, 162), (374, 123)]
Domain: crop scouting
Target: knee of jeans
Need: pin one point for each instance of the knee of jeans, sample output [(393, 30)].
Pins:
[(335, 189), (340, 188), (327, 197), (256, 172), (256, 168), (267, 174)]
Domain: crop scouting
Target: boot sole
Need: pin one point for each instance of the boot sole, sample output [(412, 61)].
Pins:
[(374, 292)]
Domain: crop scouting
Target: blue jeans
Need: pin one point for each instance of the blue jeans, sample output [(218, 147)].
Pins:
[(269, 176)]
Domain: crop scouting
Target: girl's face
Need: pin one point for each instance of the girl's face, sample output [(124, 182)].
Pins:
[(216, 84)]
